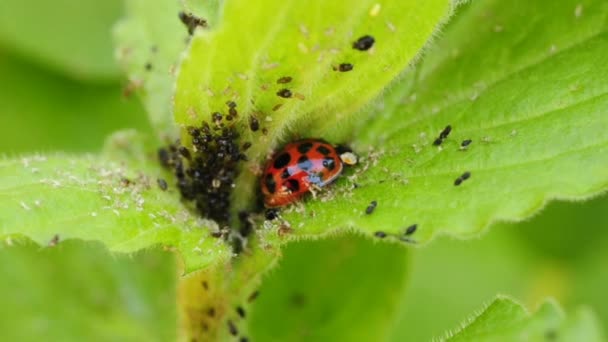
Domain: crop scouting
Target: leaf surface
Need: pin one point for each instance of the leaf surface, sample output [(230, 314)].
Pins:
[(114, 199)]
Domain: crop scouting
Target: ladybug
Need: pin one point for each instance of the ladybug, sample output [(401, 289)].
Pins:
[(299, 167)]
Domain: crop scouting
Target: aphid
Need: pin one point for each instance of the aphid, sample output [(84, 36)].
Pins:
[(162, 184), (462, 178), (284, 93), (284, 80), (411, 229), (240, 311), (54, 241), (380, 234), (370, 208), (297, 168), (344, 67), (443, 135), (253, 296), (191, 21), (184, 152), (271, 214), (364, 43), (217, 116), (164, 157), (246, 146), (254, 124), (232, 328), (446, 131), (125, 181), (466, 142), (284, 230)]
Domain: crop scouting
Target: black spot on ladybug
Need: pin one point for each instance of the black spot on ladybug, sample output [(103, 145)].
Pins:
[(270, 183), (254, 124), (191, 21), (364, 43), (285, 174), (253, 296), (205, 285), (344, 67), (411, 229), (371, 207), (162, 184), (240, 311), (293, 185), (211, 312), (329, 163), (232, 328), (148, 66), (466, 142), (304, 163), (380, 234), (305, 147), (284, 93), (323, 150), (282, 161), (271, 214)]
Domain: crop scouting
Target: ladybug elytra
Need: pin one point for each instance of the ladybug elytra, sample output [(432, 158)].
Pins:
[(297, 168)]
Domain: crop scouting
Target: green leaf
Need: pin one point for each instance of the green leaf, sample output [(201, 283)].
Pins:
[(505, 320), (150, 40), (80, 292), (256, 43), (114, 199), (343, 288), (528, 87), (62, 35), (516, 261), (67, 115)]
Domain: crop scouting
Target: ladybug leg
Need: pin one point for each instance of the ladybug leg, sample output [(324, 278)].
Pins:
[(314, 189)]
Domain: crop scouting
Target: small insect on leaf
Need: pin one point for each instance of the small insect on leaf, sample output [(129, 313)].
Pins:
[(364, 43)]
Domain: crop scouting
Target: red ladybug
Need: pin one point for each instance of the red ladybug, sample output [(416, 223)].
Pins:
[(299, 166)]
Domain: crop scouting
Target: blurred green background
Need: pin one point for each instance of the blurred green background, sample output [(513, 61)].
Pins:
[(60, 89)]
